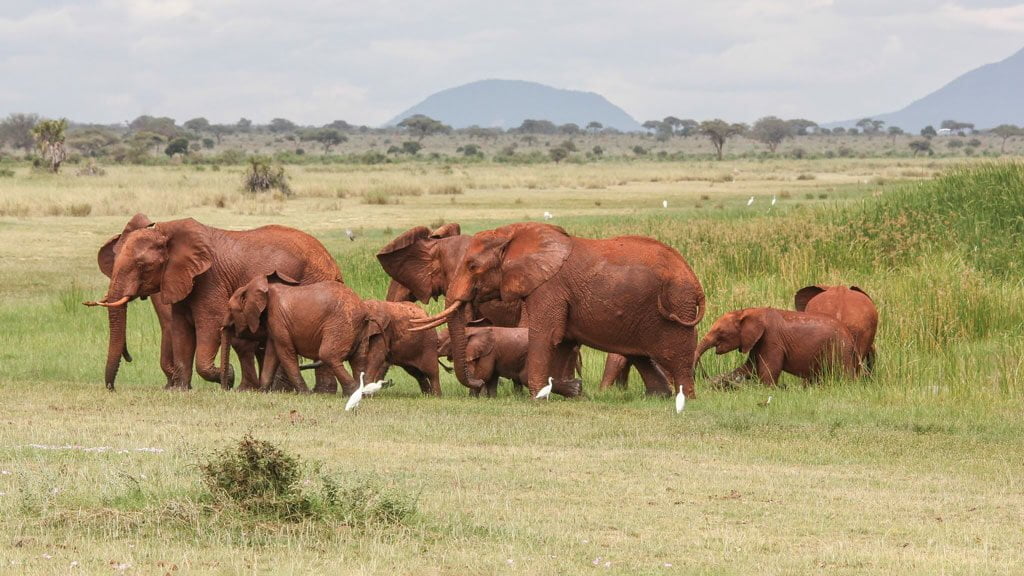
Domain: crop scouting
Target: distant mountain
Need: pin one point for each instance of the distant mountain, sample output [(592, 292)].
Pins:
[(987, 97), (506, 103)]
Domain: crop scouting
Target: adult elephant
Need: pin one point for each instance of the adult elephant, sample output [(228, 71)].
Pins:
[(630, 295), (194, 269), (852, 307)]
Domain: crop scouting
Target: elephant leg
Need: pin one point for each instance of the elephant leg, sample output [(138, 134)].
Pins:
[(563, 367), (166, 347), (183, 342), (246, 351), (475, 392), (425, 382), (616, 371), (270, 365), (327, 384), (739, 374), (655, 382), (769, 368), (869, 362), (338, 372), (538, 360), (207, 348), (492, 387), (290, 365)]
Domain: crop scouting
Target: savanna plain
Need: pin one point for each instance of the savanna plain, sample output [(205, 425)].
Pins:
[(918, 469)]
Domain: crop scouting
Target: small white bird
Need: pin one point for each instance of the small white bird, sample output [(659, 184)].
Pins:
[(548, 215), (680, 400), (351, 235), (765, 403), (356, 396), (664, 203), (374, 387), (545, 392), (751, 201), (773, 199)]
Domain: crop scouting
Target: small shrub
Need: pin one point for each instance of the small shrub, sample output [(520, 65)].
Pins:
[(261, 176), (806, 177), (253, 474), (845, 152), (798, 153), (446, 189), (639, 150), (6, 173), (78, 210), (378, 197)]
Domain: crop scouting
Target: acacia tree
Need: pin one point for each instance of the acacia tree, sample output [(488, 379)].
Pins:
[(718, 131), (49, 135), (1005, 131), (771, 131), (422, 126), (895, 131), (594, 127), (869, 126), (16, 130)]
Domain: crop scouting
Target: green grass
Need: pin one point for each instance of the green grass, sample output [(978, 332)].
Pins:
[(917, 469)]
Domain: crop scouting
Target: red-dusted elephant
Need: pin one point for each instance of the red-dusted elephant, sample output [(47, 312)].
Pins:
[(851, 306), (631, 295), (800, 343), (195, 269)]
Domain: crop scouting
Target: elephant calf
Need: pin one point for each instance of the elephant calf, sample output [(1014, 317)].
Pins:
[(322, 321), (387, 340), (800, 343)]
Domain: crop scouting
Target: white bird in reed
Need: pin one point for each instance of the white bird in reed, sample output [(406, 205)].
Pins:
[(751, 201), (680, 400)]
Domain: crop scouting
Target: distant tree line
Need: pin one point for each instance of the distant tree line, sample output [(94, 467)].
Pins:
[(148, 137)]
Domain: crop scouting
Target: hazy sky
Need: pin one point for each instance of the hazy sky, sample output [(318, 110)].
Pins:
[(315, 61)]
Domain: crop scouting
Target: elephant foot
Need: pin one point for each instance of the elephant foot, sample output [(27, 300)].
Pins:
[(324, 388), (568, 388), (249, 388)]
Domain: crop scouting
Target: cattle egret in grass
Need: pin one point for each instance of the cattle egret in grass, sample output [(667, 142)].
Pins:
[(664, 203), (351, 235), (773, 199), (545, 392), (548, 215), (751, 201), (680, 400), (356, 396), (374, 387), (765, 403)]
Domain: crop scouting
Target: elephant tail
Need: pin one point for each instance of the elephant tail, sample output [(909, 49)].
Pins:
[(678, 298)]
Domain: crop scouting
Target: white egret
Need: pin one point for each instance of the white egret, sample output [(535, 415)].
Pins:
[(766, 402), (545, 392), (680, 400), (664, 203), (351, 235), (374, 387), (356, 396), (548, 215), (751, 201), (773, 200)]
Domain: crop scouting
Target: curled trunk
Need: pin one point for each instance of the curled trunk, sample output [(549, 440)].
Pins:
[(703, 347)]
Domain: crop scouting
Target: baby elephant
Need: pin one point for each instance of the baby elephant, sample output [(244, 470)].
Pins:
[(322, 321), (800, 343), (491, 352), (387, 340)]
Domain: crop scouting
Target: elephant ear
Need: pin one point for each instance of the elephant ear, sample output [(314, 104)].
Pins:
[(398, 292), (281, 278), (188, 255), (804, 295), (410, 260), (751, 331), (533, 254), (108, 252), (857, 289), (256, 296), (446, 231), (483, 344)]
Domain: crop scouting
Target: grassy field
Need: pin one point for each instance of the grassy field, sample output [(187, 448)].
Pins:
[(917, 470)]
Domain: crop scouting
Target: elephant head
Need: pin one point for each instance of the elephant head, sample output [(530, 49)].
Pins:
[(375, 344), (145, 260), (244, 316), (507, 263), (420, 262), (739, 329)]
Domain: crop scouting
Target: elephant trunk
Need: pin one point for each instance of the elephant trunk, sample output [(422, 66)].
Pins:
[(116, 346), (457, 333), (705, 344), (226, 379)]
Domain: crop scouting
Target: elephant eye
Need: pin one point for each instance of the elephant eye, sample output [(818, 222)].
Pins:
[(472, 266)]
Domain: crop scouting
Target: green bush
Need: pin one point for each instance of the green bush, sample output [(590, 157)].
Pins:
[(262, 177)]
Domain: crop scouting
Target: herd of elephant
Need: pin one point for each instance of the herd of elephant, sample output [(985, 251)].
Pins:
[(521, 300)]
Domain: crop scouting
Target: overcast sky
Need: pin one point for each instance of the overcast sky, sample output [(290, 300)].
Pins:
[(315, 61)]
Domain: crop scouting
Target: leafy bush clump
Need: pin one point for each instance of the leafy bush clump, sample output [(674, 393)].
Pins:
[(256, 475), (262, 177), (6, 173), (261, 479)]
